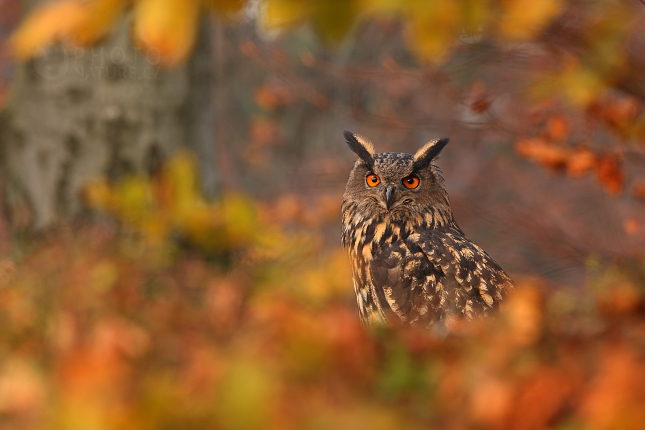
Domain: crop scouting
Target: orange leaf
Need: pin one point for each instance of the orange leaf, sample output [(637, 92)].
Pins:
[(167, 28), (99, 17), (492, 402), (614, 395), (525, 18), (49, 23), (557, 127), (542, 152), (610, 174), (618, 113), (580, 161), (77, 21), (632, 226)]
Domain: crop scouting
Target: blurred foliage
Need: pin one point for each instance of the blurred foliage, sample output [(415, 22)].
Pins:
[(433, 28), (158, 327), (235, 314), (579, 53), (170, 206)]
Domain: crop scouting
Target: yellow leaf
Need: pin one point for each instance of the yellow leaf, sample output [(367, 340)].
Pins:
[(577, 84), (581, 85), (180, 175), (240, 216), (283, 13), (247, 394), (432, 26), (475, 14), (47, 24), (133, 198), (167, 28), (525, 18), (99, 18)]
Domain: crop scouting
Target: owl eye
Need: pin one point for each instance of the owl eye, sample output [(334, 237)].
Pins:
[(373, 180), (411, 182)]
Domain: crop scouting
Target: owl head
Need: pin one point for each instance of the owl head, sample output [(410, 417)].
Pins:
[(397, 185)]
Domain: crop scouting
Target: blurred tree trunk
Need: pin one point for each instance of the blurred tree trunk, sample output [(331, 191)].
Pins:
[(107, 110)]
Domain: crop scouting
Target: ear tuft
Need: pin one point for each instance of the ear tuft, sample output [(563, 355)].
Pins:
[(429, 152), (360, 146)]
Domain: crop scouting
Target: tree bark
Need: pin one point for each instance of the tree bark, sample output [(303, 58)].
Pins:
[(109, 110)]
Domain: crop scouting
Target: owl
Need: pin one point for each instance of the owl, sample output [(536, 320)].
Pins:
[(411, 263)]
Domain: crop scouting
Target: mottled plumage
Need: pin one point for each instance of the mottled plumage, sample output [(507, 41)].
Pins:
[(411, 263)]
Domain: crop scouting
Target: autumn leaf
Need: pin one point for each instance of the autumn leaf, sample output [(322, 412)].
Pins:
[(523, 19), (574, 161), (573, 82), (580, 161), (431, 27), (557, 128), (542, 152), (167, 28), (615, 394), (99, 18), (78, 22), (618, 113), (280, 14), (492, 402), (610, 174), (47, 24)]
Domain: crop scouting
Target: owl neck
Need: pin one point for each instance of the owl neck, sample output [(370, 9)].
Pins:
[(381, 228)]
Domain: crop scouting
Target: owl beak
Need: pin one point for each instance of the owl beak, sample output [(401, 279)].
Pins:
[(389, 197)]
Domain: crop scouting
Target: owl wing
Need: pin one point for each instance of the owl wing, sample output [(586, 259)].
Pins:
[(434, 276)]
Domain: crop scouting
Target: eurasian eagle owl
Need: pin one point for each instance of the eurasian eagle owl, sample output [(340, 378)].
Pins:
[(411, 263)]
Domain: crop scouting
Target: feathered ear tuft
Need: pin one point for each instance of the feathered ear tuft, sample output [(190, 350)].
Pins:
[(360, 146), (429, 152)]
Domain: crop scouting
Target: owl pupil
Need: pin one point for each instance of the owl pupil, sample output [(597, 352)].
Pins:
[(374, 179), (410, 181)]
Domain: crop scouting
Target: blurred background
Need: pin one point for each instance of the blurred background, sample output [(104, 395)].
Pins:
[(172, 171)]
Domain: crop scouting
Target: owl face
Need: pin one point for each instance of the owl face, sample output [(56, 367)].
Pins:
[(395, 185)]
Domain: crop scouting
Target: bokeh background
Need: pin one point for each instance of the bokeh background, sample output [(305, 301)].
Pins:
[(172, 173)]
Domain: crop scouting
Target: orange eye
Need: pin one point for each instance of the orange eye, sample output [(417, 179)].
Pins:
[(411, 182), (373, 180)]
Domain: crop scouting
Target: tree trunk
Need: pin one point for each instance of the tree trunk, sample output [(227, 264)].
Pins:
[(73, 115)]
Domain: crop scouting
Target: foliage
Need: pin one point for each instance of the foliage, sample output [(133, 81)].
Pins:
[(239, 314), (578, 55), (433, 28), (148, 329)]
